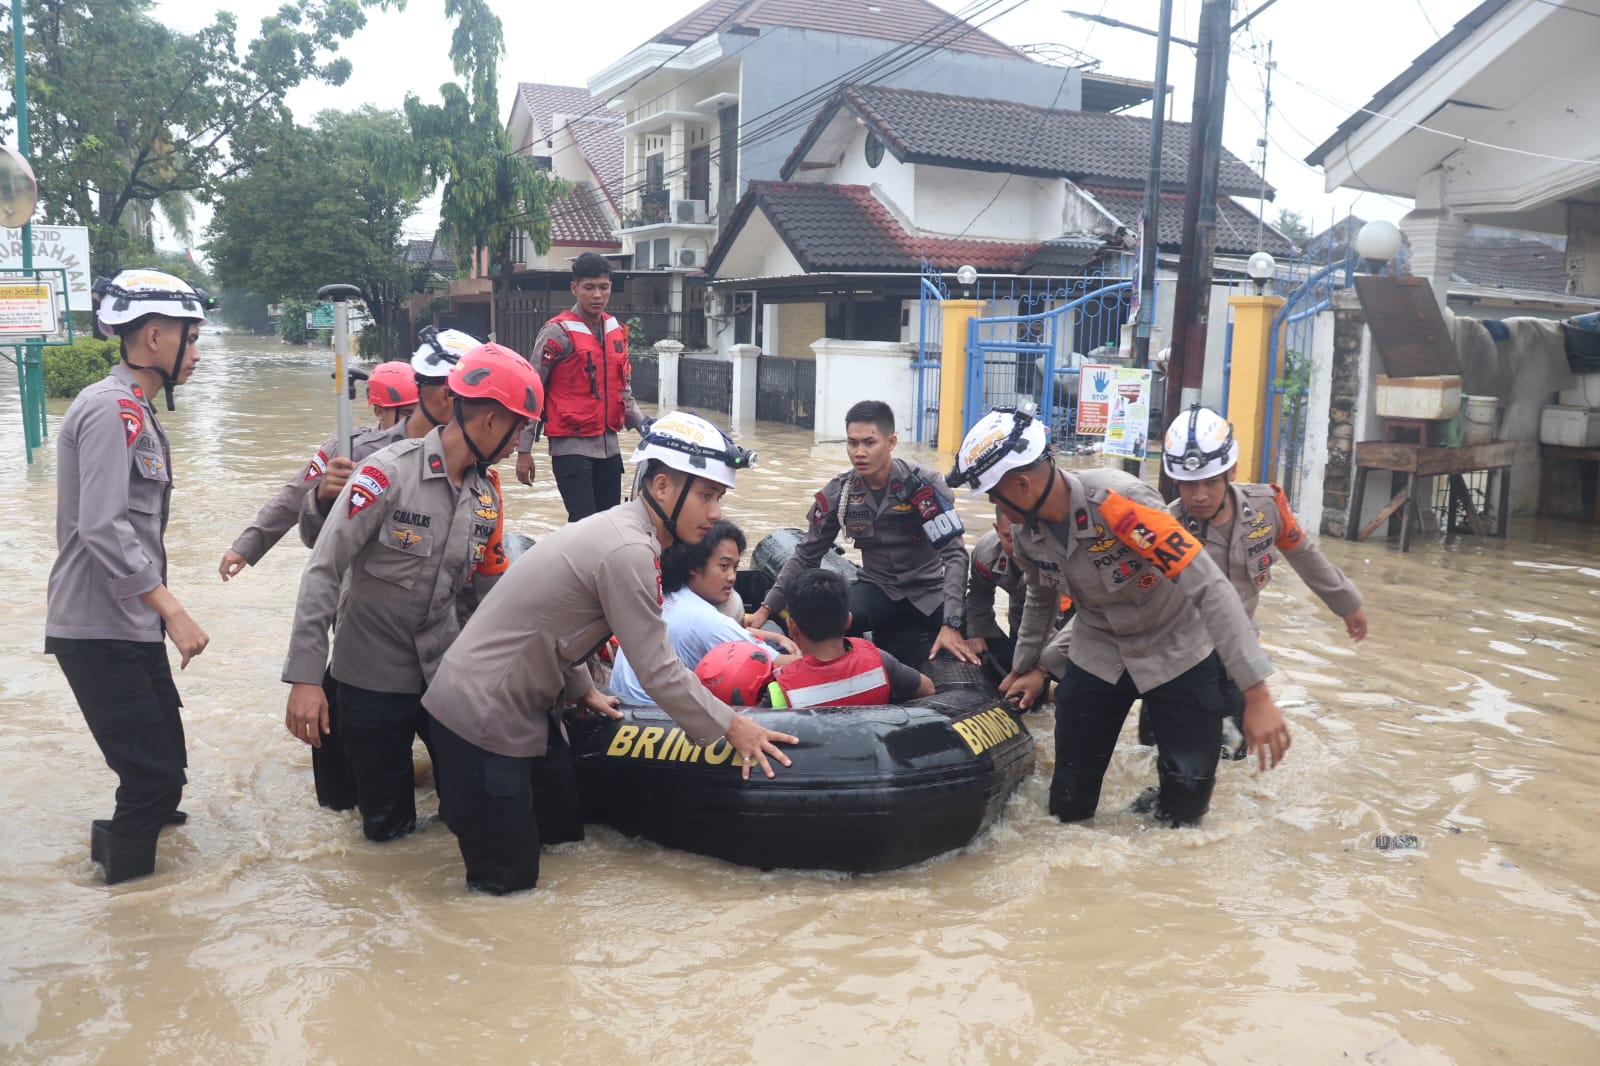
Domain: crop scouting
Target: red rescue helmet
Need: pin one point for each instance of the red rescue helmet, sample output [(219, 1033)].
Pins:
[(494, 372), (736, 672), (392, 384)]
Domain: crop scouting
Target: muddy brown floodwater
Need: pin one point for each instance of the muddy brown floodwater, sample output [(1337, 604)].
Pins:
[(1275, 933)]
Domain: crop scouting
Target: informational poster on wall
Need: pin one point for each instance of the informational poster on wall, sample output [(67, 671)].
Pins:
[(1114, 402)]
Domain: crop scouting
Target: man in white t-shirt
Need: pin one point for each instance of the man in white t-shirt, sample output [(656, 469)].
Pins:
[(696, 580)]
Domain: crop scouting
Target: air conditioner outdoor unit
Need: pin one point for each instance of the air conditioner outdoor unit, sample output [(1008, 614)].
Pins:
[(688, 257), (688, 211)]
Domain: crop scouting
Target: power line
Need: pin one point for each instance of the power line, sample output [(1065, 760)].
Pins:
[(799, 110), (1441, 133), (1429, 21), (1044, 118)]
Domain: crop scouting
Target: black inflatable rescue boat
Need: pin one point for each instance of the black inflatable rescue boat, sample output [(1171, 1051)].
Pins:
[(871, 788)]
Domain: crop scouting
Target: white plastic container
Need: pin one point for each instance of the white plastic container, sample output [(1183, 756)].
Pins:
[(1586, 393), (1428, 398), (1480, 415), (1569, 427)]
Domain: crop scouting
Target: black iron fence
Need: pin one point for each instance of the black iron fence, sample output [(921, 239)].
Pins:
[(706, 383), (646, 377), (527, 312), (786, 390), (645, 327)]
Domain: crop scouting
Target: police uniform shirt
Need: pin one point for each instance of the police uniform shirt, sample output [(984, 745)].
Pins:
[(1262, 529), (410, 546), (559, 602), (1149, 599), (363, 443), (909, 536), (114, 492), (281, 513), (993, 569)]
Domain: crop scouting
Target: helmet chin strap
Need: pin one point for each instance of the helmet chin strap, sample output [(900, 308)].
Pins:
[(1030, 515), (427, 412), (169, 379), (484, 461), (671, 521)]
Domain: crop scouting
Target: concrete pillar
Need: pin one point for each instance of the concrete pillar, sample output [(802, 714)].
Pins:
[(953, 372), (668, 352), (1583, 246), (1247, 383), (746, 361), (1434, 231)]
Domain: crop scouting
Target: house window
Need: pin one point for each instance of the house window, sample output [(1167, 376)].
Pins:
[(540, 162), (727, 162), (700, 172), (874, 150), (663, 252), (746, 318), (653, 204)]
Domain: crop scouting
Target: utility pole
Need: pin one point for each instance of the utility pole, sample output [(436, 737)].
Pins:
[(1151, 228), (1192, 300)]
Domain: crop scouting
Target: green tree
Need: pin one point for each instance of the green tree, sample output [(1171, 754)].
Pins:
[(490, 191), (128, 116), (1292, 224), (323, 205)]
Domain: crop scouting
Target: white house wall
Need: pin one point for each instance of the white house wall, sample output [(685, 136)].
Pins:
[(894, 182), (953, 202)]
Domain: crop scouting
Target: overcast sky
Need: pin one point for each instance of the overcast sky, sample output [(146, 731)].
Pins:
[(1331, 58)]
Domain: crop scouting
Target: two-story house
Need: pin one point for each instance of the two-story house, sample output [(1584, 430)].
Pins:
[(720, 97)]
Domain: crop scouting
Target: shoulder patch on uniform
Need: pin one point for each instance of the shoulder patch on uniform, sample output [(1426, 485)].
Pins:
[(369, 483), (819, 509), (1290, 535), (132, 419), (317, 466), (1154, 534)]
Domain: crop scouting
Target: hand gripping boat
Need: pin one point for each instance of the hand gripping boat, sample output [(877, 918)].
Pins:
[(871, 788)]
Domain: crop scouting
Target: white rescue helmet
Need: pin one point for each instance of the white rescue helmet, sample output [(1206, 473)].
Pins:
[(692, 445), (1005, 439), (440, 350), (1199, 445), (132, 294)]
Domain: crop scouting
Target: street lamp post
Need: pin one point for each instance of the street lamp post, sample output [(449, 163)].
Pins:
[(1377, 243)]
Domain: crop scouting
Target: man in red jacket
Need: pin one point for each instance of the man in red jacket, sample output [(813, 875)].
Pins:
[(582, 355)]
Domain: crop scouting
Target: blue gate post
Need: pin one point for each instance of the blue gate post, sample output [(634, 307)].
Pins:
[(930, 351), (1304, 303)]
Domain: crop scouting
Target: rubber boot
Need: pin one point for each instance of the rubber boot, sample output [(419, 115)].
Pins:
[(1180, 800), (121, 858)]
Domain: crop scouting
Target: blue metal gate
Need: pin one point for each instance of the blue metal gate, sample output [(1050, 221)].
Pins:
[(930, 338), (1289, 373), (1036, 356)]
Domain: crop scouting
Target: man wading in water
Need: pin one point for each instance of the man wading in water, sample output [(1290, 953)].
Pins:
[(108, 605)]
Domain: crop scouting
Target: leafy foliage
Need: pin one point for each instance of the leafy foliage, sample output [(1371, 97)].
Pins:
[(1292, 224), (292, 314), (126, 114), (324, 205), (70, 368), (490, 192)]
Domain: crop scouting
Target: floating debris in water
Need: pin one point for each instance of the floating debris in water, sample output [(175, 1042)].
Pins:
[(1397, 842)]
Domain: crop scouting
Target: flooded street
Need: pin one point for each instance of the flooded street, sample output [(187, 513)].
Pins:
[(1277, 932)]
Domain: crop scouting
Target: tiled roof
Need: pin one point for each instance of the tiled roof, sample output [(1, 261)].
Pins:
[(889, 20), (1064, 255), (1237, 226), (601, 144), (844, 228), (581, 220), (999, 135), (598, 132), (1504, 262), (544, 101)]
